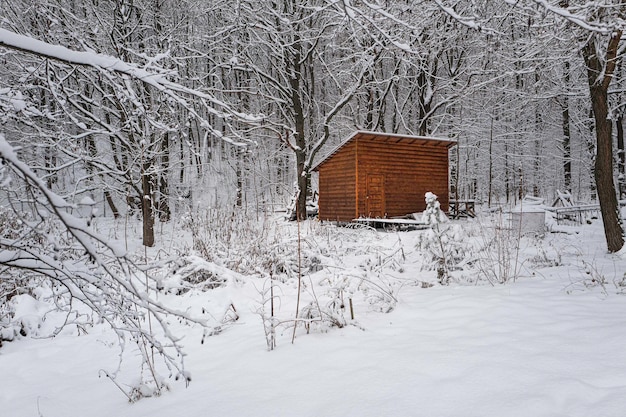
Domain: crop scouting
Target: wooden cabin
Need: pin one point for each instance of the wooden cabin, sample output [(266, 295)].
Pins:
[(382, 175)]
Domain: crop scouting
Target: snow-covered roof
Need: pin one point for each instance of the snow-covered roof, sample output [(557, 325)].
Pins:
[(386, 137)]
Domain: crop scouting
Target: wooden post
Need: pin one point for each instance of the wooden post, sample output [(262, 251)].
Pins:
[(351, 309)]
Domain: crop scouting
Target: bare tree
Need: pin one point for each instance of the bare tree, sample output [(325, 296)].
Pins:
[(45, 242), (51, 244), (597, 27), (601, 66), (306, 70)]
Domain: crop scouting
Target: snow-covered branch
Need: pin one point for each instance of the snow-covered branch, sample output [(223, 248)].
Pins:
[(581, 20), (341, 103), (157, 80), (49, 243), (465, 21)]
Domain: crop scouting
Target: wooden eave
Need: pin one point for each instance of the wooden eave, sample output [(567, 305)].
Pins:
[(386, 138)]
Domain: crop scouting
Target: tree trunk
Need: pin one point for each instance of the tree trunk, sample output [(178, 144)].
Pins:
[(300, 138), (537, 165), (146, 205), (93, 153), (163, 208), (239, 168), (598, 89), (303, 186), (425, 97), (567, 136), (109, 199), (507, 175), (621, 157), (490, 185), (567, 149)]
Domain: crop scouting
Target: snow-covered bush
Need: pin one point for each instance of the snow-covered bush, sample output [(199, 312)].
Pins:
[(234, 240), (332, 303), (336, 308), (442, 244), (18, 285), (194, 272), (433, 215), (88, 277), (498, 253), (12, 325)]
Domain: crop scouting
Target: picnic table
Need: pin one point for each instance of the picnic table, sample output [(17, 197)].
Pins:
[(462, 208)]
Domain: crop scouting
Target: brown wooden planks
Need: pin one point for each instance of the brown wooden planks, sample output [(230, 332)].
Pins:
[(382, 176)]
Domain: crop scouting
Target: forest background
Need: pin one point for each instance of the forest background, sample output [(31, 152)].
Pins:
[(186, 116), (263, 88)]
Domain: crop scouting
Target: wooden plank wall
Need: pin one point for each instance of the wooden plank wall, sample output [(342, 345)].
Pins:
[(410, 171), (337, 189)]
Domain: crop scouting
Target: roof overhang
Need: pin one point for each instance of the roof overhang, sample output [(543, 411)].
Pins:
[(386, 138)]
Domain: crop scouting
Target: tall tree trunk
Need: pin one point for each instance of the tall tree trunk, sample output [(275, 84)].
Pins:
[(599, 77), (621, 157), (490, 188), (591, 153), (93, 153), (300, 135), (425, 101), (182, 160), (147, 181), (567, 148), (567, 136), (537, 165), (507, 175), (240, 161), (146, 205), (164, 190)]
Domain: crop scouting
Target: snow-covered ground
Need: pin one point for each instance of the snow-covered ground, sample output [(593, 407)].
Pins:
[(549, 342)]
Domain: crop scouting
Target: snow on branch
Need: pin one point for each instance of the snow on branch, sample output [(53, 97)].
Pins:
[(578, 19), (49, 242), (466, 21), (345, 99), (354, 13), (111, 64)]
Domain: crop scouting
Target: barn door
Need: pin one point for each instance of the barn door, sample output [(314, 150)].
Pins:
[(375, 198)]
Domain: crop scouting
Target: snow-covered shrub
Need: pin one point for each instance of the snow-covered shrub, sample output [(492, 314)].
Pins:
[(368, 276), (17, 287), (238, 242), (332, 304), (266, 310), (442, 244), (433, 215), (194, 272), (311, 316), (89, 278), (12, 324), (332, 308), (620, 283), (498, 254), (542, 255), (338, 295)]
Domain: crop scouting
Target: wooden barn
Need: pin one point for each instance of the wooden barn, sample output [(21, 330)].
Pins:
[(382, 175)]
